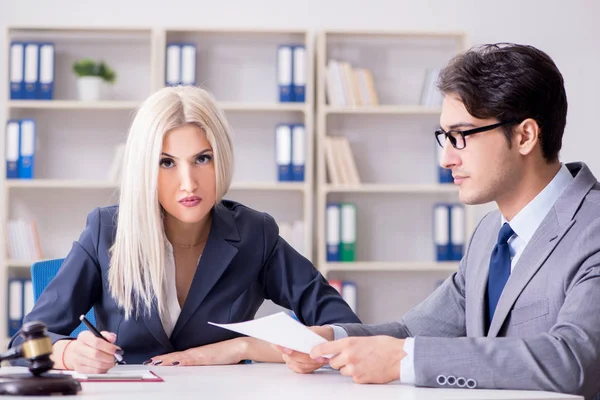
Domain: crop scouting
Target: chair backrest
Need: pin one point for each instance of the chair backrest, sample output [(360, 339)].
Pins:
[(42, 272)]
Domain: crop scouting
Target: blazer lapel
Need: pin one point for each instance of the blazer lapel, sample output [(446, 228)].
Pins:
[(154, 325), (552, 229), (217, 256)]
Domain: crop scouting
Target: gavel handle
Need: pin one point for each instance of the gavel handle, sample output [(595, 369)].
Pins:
[(12, 354)]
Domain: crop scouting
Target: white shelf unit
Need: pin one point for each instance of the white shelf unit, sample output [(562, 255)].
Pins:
[(240, 68), (76, 140), (394, 149)]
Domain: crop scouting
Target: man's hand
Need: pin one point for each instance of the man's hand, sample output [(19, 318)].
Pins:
[(301, 362), (374, 359)]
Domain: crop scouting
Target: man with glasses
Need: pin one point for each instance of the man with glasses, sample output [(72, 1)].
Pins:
[(521, 312)]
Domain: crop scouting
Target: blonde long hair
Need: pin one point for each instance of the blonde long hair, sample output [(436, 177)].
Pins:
[(137, 273)]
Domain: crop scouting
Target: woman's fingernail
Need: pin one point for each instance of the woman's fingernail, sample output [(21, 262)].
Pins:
[(157, 362), (175, 363), (120, 352), (147, 362)]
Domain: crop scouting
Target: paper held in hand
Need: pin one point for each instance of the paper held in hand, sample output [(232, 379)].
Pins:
[(280, 329)]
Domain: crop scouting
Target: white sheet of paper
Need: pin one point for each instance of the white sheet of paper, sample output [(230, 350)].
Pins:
[(280, 329), (139, 373)]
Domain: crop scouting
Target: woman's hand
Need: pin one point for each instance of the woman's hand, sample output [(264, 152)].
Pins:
[(222, 353), (300, 362), (88, 354)]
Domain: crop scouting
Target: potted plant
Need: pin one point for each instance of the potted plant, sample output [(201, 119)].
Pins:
[(91, 75)]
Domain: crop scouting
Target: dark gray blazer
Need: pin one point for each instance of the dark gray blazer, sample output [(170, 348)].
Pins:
[(244, 262)]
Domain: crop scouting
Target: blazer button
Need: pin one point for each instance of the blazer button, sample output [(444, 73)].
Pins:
[(441, 380), (451, 380), (471, 384), (461, 382)]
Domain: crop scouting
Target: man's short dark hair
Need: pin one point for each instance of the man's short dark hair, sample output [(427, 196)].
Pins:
[(511, 82)]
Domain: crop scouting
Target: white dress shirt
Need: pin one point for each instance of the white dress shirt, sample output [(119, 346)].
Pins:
[(524, 224), (173, 309)]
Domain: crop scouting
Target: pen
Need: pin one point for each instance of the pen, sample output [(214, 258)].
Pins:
[(93, 329)]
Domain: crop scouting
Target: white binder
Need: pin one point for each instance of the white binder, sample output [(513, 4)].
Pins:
[(457, 231), (284, 73), (283, 143), (299, 74), (17, 58), (188, 64), (298, 152), (173, 65), (31, 70), (46, 78), (27, 297), (333, 232), (13, 129), (441, 220)]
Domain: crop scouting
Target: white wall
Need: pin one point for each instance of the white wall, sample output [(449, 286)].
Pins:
[(568, 31)]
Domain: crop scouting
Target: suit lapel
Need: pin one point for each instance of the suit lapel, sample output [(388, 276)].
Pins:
[(552, 229), (154, 325), (481, 277), (217, 256), (534, 255)]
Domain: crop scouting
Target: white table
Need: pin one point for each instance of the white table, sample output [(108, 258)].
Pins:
[(276, 381)]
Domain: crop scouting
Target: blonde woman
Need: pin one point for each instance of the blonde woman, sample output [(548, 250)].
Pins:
[(173, 255)]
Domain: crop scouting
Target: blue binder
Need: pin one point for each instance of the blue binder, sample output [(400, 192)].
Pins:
[(283, 149), (457, 231), (298, 152), (173, 65), (299, 73), (444, 174), (31, 75), (17, 70), (350, 295), (13, 134), (27, 149), (14, 306), (188, 64), (285, 72), (45, 89), (441, 231), (333, 231)]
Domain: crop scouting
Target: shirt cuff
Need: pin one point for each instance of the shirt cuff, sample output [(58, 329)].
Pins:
[(339, 332), (407, 364)]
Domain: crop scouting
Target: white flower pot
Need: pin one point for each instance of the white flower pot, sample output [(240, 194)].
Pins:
[(89, 88)]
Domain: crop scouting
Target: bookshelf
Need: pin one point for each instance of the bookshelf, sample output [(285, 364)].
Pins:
[(394, 151), (76, 140)]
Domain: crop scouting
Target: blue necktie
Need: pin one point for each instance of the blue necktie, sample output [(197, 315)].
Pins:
[(499, 270)]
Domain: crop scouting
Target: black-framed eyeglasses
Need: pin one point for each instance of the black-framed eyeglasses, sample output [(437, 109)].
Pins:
[(457, 137)]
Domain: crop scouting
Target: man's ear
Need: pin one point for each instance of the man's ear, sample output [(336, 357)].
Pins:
[(527, 136)]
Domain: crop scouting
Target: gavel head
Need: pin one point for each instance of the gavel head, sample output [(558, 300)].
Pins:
[(36, 347)]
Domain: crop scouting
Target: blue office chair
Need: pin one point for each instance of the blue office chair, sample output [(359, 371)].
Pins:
[(42, 272)]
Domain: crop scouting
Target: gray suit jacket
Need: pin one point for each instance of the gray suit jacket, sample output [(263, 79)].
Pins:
[(545, 334)]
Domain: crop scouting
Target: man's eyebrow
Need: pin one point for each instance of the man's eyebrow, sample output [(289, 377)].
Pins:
[(461, 125)]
